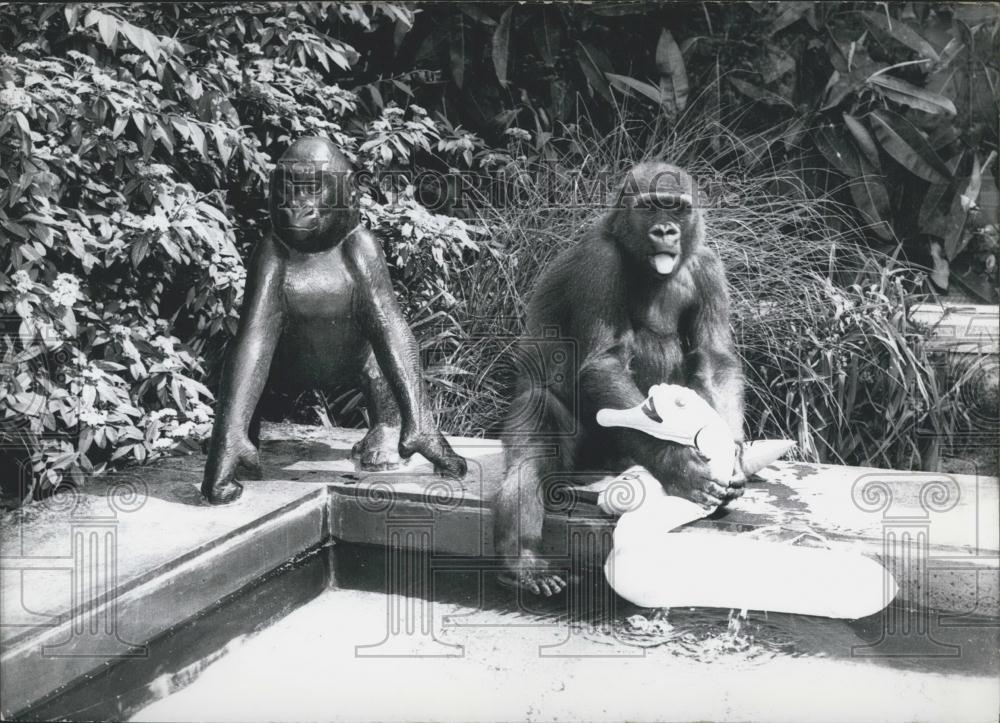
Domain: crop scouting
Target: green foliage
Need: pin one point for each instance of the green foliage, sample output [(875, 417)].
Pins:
[(900, 102), (136, 139), (893, 106), (821, 320), (135, 142)]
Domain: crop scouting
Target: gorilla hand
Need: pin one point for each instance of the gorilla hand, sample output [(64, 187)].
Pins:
[(685, 473), (432, 445), (224, 461)]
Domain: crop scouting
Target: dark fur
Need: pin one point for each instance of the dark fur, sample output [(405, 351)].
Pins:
[(632, 328)]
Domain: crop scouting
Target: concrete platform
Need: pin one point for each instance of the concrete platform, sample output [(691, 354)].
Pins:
[(89, 577)]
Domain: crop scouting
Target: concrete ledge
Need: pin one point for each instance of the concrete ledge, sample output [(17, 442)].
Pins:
[(937, 533), (90, 577), (85, 583)]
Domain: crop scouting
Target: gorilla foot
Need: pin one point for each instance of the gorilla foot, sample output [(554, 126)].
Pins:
[(533, 575), (222, 494), (378, 450)]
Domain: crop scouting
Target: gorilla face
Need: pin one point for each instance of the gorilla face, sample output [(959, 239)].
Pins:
[(657, 223), (661, 236), (312, 204)]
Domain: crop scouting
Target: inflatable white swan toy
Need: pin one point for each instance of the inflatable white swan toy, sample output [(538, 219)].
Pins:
[(653, 567), (679, 414)]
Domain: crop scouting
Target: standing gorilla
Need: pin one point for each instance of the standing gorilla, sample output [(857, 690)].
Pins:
[(645, 302), (319, 284)]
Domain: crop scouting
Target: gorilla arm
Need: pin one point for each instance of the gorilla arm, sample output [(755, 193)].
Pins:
[(604, 330), (245, 374), (715, 372), (396, 351)]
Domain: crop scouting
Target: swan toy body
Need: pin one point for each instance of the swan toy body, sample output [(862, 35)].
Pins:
[(652, 566)]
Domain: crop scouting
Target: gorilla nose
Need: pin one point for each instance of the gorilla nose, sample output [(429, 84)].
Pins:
[(665, 233)]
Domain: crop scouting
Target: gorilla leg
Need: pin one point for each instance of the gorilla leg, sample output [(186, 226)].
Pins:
[(379, 449), (253, 431), (519, 505)]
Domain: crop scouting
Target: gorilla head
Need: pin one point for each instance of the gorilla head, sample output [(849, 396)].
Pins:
[(657, 220), (312, 202)]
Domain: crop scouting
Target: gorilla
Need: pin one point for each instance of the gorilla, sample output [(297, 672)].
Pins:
[(318, 310), (644, 301)]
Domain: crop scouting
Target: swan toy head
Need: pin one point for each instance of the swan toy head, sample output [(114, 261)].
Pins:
[(679, 414)]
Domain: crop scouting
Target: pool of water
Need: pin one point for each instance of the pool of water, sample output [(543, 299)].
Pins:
[(352, 633)]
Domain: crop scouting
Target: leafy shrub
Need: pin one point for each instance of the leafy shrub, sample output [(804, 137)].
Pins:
[(134, 169), (135, 141), (899, 102), (892, 106)]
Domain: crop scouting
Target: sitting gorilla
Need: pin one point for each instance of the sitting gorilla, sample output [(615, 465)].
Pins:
[(643, 299)]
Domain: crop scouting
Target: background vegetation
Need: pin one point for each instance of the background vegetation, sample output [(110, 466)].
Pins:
[(850, 148)]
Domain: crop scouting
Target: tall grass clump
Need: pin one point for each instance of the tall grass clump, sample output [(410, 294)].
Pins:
[(821, 320)]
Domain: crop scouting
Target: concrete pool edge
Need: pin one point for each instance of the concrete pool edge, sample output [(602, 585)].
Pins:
[(219, 551), (45, 659)]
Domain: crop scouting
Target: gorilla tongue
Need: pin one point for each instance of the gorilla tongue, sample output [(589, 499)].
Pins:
[(663, 263)]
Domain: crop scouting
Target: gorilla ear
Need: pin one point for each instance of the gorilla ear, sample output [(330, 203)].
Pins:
[(616, 223)]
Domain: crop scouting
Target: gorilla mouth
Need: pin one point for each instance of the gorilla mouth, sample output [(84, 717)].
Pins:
[(664, 262)]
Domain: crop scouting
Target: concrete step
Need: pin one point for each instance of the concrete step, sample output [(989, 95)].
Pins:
[(89, 576)]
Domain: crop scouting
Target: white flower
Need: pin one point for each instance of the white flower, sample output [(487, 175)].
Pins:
[(182, 430), (14, 99), (22, 282), (103, 81), (163, 443), (153, 170), (155, 223), (91, 417), (65, 290), (78, 56), (265, 72), (200, 412), (518, 133)]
